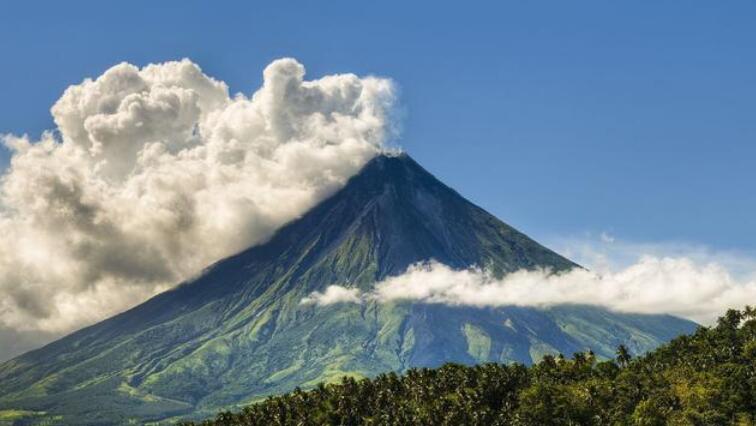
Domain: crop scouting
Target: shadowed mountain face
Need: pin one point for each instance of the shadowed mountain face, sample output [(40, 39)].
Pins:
[(239, 332)]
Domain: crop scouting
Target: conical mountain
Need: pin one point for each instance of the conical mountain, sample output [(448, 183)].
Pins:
[(239, 332)]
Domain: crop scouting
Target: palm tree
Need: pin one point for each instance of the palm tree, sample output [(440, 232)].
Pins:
[(623, 356)]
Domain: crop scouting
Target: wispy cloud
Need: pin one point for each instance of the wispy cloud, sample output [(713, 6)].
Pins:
[(333, 294), (689, 287), (605, 252)]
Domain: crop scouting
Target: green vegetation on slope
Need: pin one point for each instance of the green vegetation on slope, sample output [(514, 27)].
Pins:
[(707, 378), (238, 332)]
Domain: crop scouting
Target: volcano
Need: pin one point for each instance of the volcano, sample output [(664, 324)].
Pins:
[(239, 331)]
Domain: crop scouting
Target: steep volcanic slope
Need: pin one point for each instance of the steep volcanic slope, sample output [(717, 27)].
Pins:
[(238, 331)]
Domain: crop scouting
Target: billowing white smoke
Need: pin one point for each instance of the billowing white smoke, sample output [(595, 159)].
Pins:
[(676, 286), (154, 173)]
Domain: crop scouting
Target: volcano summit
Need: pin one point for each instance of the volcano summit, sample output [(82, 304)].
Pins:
[(239, 331)]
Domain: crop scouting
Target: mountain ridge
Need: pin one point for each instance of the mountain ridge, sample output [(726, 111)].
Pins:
[(238, 331)]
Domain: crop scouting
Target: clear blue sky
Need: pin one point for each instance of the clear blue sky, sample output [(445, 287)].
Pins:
[(559, 117)]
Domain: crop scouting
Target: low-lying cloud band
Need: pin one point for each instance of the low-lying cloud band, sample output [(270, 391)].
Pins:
[(653, 285)]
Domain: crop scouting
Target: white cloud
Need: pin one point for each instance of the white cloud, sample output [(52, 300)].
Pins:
[(154, 173), (333, 294), (597, 254), (652, 285)]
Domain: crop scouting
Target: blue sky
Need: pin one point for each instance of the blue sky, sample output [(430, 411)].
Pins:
[(562, 118)]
